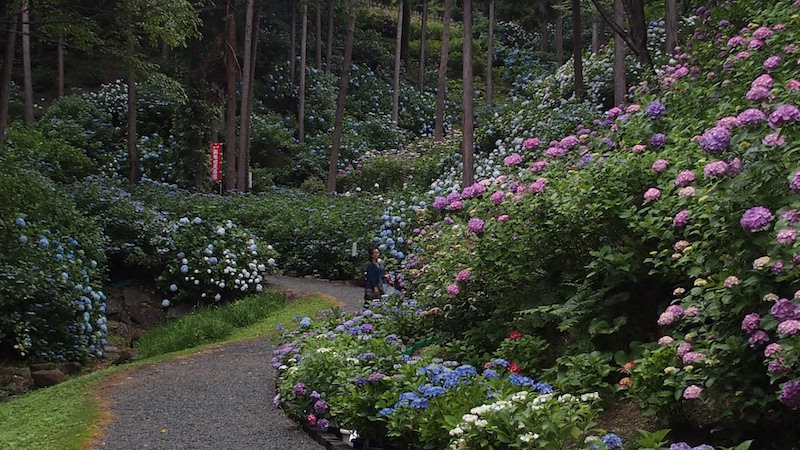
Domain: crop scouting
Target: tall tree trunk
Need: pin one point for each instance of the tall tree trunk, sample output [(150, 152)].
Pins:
[(559, 32), (467, 157), (231, 69), (244, 117), (301, 107), (60, 63), (133, 154), (293, 41), (26, 62), (397, 56), (441, 84), (619, 56), (406, 31), (577, 49), (318, 37), (329, 48), (490, 55), (543, 26), (8, 66), (597, 33), (671, 25), (422, 43), (344, 80)]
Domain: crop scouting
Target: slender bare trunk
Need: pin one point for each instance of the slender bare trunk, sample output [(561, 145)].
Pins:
[(490, 56), (467, 157), (597, 33), (344, 80), (244, 116), (60, 63), (133, 154), (397, 54), (406, 31), (26, 62), (293, 41), (543, 26), (441, 84), (301, 107), (231, 68), (318, 37), (329, 48), (422, 43), (671, 25), (8, 65), (577, 49), (559, 33), (619, 56)]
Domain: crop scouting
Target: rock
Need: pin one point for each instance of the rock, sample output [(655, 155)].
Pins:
[(126, 356), (42, 366), (71, 368), (113, 306), (9, 374), (44, 378)]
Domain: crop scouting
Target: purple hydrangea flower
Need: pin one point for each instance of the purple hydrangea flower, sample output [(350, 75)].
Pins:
[(475, 225), (684, 178), (751, 116), (655, 110), (790, 394), (756, 218), (692, 392), (440, 203), (681, 219), (658, 140), (751, 322), (784, 114), (772, 63), (789, 327), (715, 140), (660, 165), (762, 33), (757, 338), (680, 446), (757, 93), (497, 197), (538, 166), (299, 389), (784, 309), (795, 183)]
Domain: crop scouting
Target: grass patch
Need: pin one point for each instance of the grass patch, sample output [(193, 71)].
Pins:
[(58, 417), (208, 324), (62, 417)]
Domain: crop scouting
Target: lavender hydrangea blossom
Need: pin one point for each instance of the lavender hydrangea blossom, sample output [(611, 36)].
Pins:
[(756, 218), (715, 140)]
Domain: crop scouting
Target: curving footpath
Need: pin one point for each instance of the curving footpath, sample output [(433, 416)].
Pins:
[(218, 399)]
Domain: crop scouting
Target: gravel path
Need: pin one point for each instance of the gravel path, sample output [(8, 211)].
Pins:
[(217, 399)]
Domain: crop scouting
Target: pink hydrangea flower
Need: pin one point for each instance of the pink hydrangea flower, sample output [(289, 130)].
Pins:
[(538, 185), (680, 245), (463, 275), (691, 357), (502, 218), (683, 348), (729, 122), (498, 197), (512, 160), (652, 194), (762, 33), (453, 289), (793, 85), (789, 327), (687, 191), (538, 166), (751, 322), (692, 392), (684, 178), (787, 236), (530, 143), (665, 319), (665, 340), (715, 169), (731, 281), (456, 205), (660, 165), (692, 311), (772, 349), (632, 108), (638, 148), (764, 80), (755, 44), (773, 140)]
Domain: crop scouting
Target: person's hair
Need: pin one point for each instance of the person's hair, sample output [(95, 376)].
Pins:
[(370, 249)]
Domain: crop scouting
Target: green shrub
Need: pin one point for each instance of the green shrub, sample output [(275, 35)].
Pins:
[(51, 269), (53, 158)]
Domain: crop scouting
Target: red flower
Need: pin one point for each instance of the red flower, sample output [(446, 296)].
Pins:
[(515, 335), (514, 368), (627, 367), (312, 419), (487, 365), (625, 383)]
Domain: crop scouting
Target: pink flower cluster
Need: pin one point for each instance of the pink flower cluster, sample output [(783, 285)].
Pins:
[(512, 160), (684, 178), (652, 194), (530, 143)]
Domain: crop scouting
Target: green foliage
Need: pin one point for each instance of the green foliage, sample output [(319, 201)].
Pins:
[(525, 350), (582, 373), (207, 324), (81, 123), (53, 158)]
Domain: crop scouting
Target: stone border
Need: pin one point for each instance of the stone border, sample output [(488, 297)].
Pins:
[(329, 440)]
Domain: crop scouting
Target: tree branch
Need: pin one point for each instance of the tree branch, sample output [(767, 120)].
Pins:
[(614, 26)]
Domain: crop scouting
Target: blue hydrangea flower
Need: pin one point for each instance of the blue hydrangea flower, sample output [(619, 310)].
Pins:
[(612, 440), (20, 222), (386, 412), (305, 322)]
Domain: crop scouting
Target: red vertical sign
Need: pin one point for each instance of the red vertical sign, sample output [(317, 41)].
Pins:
[(216, 161)]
